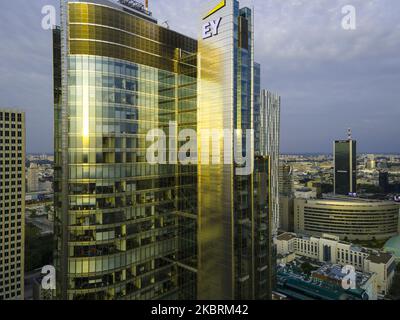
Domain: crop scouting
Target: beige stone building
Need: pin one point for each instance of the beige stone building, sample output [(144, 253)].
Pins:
[(12, 204), (348, 218)]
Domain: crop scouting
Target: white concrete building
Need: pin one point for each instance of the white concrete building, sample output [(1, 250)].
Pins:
[(330, 249), (383, 264), (33, 178)]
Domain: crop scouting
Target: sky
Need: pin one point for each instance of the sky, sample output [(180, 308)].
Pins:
[(330, 79)]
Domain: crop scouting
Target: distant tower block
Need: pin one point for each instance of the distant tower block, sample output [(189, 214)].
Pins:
[(345, 163)]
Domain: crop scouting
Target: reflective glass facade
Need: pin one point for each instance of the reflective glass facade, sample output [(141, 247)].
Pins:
[(264, 251), (257, 118), (125, 229), (270, 114), (233, 229)]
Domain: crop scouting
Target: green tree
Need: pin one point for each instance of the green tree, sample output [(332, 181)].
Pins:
[(33, 213), (307, 268)]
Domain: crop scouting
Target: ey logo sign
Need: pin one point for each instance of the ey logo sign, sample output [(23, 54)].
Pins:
[(211, 28)]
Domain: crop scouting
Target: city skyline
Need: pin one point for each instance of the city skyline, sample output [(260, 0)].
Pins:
[(318, 68), (204, 150)]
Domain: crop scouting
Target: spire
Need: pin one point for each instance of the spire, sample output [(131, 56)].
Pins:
[(349, 134)]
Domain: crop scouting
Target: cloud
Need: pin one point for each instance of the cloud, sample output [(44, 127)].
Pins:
[(330, 79)]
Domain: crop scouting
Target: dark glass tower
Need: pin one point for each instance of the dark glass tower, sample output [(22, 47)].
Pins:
[(384, 181), (345, 161), (124, 228)]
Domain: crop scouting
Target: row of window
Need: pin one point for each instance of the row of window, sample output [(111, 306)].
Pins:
[(92, 14), (12, 246), (130, 71), (10, 232), (12, 126), (10, 293), (13, 225), (354, 257), (118, 172), (8, 166), (12, 176), (12, 253), (8, 133), (10, 148), (7, 116), (10, 276), (108, 263), (6, 268)]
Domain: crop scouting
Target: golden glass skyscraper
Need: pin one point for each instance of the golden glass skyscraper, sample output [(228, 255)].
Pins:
[(234, 220), (125, 229), (12, 204), (129, 229)]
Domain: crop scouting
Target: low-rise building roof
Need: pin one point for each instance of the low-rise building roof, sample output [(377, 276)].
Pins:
[(286, 236)]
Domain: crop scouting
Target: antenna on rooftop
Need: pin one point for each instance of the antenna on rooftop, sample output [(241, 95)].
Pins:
[(349, 134)]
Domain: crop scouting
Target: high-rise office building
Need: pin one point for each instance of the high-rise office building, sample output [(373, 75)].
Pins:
[(233, 264), (124, 228), (286, 198), (270, 145), (33, 178), (128, 229), (12, 204), (345, 166), (384, 184), (265, 251), (370, 164), (285, 180), (258, 117)]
